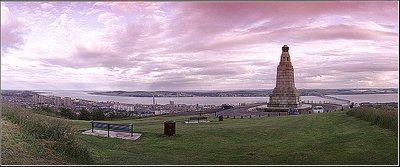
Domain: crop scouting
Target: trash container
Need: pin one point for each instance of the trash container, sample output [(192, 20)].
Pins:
[(169, 128), (221, 118)]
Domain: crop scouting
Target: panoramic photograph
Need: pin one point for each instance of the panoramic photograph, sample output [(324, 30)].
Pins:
[(199, 83)]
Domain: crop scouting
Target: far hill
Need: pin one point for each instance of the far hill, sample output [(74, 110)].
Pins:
[(243, 93)]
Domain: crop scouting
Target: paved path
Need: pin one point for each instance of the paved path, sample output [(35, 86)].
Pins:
[(239, 111), (120, 135)]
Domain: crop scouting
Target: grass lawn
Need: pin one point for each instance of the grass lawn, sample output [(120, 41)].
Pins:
[(18, 148), (326, 138)]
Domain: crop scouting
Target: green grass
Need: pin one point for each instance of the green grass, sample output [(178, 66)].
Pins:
[(56, 133), (18, 148), (385, 117), (326, 138)]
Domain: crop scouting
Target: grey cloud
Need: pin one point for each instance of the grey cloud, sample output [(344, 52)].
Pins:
[(85, 58)]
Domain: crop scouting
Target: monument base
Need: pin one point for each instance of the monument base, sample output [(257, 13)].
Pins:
[(265, 108)]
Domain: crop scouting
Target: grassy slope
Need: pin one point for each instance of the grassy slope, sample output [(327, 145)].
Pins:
[(20, 149), (327, 138)]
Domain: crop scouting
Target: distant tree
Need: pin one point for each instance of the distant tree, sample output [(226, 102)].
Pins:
[(84, 114), (46, 109), (67, 113), (98, 115)]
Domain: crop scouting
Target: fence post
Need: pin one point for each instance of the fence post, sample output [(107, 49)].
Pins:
[(92, 125), (131, 130), (234, 117), (259, 115), (250, 116), (279, 114), (108, 130), (241, 117)]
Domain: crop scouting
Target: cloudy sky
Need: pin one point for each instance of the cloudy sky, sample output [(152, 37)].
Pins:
[(197, 45)]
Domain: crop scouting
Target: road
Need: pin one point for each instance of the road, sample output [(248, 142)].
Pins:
[(239, 111)]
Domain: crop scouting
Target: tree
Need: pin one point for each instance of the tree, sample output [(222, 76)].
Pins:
[(84, 114), (67, 113), (98, 115)]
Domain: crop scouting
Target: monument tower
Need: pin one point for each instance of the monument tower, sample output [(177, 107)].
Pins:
[(285, 94)]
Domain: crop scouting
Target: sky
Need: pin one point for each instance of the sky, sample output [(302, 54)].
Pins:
[(197, 45)]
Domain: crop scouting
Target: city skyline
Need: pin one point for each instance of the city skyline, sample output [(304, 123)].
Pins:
[(197, 45)]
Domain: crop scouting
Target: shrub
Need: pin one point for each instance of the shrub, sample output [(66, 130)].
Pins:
[(84, 115), (67, 113), (384, 117)]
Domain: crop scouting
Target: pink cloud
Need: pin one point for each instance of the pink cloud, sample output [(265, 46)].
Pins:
[(186, 44), (12, 30)]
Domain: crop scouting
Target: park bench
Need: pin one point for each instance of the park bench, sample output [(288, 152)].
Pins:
[(112, 126), (198, 119)]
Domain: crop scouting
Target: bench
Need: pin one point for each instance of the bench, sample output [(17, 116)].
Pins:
[(198, 119), (112, 126)]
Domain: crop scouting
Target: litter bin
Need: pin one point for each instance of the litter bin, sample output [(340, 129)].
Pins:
[(221, 118), (169, 128)]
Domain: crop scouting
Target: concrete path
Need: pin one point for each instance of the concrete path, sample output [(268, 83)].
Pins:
[(120, 135)]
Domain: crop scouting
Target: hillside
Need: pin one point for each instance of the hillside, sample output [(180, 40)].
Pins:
[(327, 138), (19, 149)]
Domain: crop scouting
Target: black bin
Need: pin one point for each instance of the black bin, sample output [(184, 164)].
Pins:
[(169, 128), (221, 118)]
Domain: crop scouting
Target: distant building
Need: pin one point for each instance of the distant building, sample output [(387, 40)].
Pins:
[(67, 102), (125, 107), (35, 98), (57, 101), (41, 99)]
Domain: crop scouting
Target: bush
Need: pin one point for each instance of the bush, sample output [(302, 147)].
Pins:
[(84, 115), (48, 128), (98, 115), (67, 113), (384, 117)]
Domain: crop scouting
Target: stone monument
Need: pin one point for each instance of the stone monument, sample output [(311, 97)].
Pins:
[(285, 93)]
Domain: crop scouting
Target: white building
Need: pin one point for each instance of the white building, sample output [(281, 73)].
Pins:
[(41, 99), (126, 107), (35, 98), (67, 102), (57, 101)]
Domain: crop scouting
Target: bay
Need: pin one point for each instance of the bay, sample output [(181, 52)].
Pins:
[(372, 98), (211, 100)]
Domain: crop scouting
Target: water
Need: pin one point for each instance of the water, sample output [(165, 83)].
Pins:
[(372, 98), (212, 100)]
